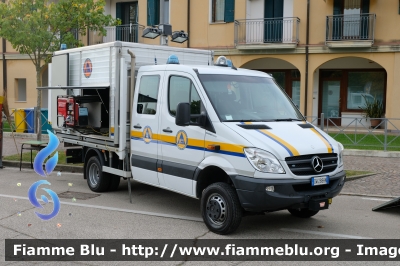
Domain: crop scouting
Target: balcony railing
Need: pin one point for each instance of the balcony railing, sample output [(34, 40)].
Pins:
[(267, 30), (124, 33), (350, 27)]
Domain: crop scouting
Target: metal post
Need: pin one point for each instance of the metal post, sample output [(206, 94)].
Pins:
[(322, 121), (34, 120), (385, 142), (355, 135), (128, 168)]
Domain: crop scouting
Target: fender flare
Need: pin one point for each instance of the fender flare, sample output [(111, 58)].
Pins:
[(88, 153), (217, 161)]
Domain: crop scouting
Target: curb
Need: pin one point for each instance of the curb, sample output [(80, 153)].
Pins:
[(355, 177), (372, 153), (24, 135), (366, 195), (60, 167)]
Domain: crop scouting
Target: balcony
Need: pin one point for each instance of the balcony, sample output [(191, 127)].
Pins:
[(267, 33), (124, 33), (346, 31)]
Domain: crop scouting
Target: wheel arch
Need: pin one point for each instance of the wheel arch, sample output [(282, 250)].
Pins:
[(210, 175), (90, 152)]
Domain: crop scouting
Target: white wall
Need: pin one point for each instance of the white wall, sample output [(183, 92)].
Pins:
[(288, 25)]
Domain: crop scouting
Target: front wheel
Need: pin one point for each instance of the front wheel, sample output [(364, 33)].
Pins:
[(220, 208), (302, 213)]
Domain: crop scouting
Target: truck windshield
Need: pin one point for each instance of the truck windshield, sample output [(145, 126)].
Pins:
[(247, 98)]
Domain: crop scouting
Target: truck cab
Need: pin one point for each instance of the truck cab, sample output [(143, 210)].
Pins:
[(233, 139)]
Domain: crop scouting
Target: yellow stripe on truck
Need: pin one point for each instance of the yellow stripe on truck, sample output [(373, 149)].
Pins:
[(327, 144), (291, 150)]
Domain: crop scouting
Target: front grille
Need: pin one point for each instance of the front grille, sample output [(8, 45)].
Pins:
[(301, 165)]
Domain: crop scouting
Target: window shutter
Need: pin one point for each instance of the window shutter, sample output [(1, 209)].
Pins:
[(269, 9), (153, 12), (278, 8), (118, 12), (229, 15), (338, 7), (365, 6)]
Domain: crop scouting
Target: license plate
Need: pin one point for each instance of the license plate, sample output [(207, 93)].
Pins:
[(317, 181)]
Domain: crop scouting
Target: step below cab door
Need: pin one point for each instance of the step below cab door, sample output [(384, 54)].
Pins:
[(182, 148), (144, 128)]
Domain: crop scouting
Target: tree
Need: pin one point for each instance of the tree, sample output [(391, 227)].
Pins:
[(39, 27)]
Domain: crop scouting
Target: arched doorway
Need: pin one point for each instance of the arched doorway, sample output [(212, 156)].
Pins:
[(345, 84), (284, 73)]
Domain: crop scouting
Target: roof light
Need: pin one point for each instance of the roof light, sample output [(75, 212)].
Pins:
[(173, 59), (221, 61), (229, 63)]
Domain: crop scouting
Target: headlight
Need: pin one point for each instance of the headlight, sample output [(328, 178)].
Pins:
[(263, 161), (340, 154)]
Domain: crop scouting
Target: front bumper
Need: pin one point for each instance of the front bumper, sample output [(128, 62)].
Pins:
[(289, 193)]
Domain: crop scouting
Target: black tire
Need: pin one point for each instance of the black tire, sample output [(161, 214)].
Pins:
[(97, 180), (114, 182), (302, 213), (220, 208)]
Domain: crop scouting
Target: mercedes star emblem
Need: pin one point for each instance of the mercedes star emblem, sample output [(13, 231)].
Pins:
[(317, 164)]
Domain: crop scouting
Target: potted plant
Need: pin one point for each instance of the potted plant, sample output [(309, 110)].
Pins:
[(373, 109)]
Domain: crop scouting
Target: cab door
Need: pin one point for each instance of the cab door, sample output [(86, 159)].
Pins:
[(144, 128), (182, 148)]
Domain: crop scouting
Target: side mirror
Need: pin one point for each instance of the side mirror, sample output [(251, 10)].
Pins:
[(182, 117)]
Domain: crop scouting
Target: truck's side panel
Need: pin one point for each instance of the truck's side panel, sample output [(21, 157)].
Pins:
[(144, 128), (182, 148)]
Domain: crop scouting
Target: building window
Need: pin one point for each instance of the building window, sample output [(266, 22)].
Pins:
[(222, 10), (20, 90), (365, 86), (157, 12), (148, 95)]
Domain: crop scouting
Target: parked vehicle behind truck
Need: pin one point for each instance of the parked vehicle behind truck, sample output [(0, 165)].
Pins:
[(229, 137)]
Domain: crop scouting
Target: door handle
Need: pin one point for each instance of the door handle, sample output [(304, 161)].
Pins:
[(168, 130), (137, 126)]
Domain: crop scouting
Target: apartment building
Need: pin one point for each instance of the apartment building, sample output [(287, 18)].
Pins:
[(326, 54)]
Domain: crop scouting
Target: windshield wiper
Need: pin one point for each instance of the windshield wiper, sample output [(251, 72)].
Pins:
[(287, 119)]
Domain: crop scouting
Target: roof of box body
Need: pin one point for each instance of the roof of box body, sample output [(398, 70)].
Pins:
[(134, 45)]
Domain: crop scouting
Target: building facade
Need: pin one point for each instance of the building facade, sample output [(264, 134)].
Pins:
[(330, 56)]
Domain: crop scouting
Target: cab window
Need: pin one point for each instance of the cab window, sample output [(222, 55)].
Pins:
[(148, 93), (182, 90)]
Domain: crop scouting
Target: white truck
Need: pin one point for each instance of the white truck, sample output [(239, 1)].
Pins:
[(229, 137)]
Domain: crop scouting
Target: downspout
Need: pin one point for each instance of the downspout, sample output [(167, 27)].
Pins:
[(307, 43), (188, 24)]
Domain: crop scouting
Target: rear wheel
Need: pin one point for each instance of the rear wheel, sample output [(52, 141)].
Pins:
[(220, 208), (302, 213), (97, 180)]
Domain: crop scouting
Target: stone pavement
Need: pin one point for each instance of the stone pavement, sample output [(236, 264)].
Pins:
[(385, 183)]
